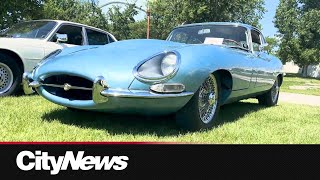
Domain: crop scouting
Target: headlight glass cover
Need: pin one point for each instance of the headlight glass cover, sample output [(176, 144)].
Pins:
[(159, 67), (168, 64)]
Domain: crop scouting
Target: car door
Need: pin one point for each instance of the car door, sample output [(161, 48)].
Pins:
[(243, 72), (243, 57), (263, 71), (75, 37)]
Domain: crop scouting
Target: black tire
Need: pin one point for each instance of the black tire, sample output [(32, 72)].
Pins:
[(189, 117), (17, 75), (270, 98)]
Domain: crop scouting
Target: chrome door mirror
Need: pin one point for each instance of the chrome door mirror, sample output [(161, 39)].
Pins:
[(61, 37), (262, 47)]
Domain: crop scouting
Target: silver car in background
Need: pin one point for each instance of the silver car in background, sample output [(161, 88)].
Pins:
[(25, 44)]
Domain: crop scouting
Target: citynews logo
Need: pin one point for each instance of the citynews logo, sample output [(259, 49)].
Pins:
[(42, 161)]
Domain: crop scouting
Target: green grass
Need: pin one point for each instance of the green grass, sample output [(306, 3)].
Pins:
[(32, 118), (295, 80)]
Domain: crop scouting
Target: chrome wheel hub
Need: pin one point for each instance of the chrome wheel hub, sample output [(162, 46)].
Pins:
[(6, 78), (208, 99)]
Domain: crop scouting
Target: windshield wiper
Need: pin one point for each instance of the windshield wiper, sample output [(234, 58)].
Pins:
[(238, 47)]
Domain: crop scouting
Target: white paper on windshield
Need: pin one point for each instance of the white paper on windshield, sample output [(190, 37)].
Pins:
[(214, 41)]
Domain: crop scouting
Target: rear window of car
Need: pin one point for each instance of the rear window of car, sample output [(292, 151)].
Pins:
[(97, 38)]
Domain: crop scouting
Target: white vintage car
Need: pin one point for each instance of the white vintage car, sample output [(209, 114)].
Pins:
[(25, 44)]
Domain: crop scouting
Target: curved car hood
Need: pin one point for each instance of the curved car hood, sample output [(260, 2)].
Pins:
[(114, 61), (142, 47)]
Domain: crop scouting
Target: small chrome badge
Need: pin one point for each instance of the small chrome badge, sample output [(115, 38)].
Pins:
[(67, 87)]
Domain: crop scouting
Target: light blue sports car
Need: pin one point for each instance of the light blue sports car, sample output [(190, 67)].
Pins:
[(196, 70)]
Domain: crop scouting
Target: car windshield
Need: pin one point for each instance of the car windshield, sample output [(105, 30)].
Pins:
[(30, 29), (228, 35)]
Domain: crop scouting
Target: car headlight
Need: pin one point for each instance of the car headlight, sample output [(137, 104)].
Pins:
[(159, 67), (168, 64)]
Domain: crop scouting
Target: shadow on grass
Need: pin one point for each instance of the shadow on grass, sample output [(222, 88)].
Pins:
[(139, 125), (20, 93), (233, 112)]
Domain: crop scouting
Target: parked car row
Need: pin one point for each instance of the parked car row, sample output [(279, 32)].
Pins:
[(198, 68)]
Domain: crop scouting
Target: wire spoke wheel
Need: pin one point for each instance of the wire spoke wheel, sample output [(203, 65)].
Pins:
[(6, 78), (202, 110), (208, 99)]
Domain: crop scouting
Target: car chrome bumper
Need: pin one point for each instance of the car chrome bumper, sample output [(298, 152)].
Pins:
[(27, 89), (140, 94), (101, 91)]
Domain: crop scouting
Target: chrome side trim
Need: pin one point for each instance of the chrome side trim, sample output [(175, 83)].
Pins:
[(141, 94)]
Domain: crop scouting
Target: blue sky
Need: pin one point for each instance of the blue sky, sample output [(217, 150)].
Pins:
[(268, 28)]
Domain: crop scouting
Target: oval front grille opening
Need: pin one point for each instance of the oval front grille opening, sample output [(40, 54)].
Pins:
[(71, 94)]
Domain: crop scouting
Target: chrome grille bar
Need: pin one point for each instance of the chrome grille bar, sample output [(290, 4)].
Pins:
[(65, 86), (70, 86)]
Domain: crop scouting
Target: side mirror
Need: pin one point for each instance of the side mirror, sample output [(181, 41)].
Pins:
[(262, 47), (62, 37)]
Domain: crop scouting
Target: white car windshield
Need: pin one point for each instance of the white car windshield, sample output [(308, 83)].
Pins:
[(30, 29), (228, 35)]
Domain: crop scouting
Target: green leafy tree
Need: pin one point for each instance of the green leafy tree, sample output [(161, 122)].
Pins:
[(122, 22), (286, 20), (138, 29), (272, 45), (168, 14), (298, 24), (13, 11), (85, 12)]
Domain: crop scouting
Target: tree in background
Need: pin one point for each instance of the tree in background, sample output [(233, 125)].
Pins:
[(80, 11), (122, 23), (138, 29), (14, 11), (298, 24), (309, 32), (165, 14), (273, 44), (119, 21), (168, 14)]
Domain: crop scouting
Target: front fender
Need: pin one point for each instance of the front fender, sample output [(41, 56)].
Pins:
[(15, 55)]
